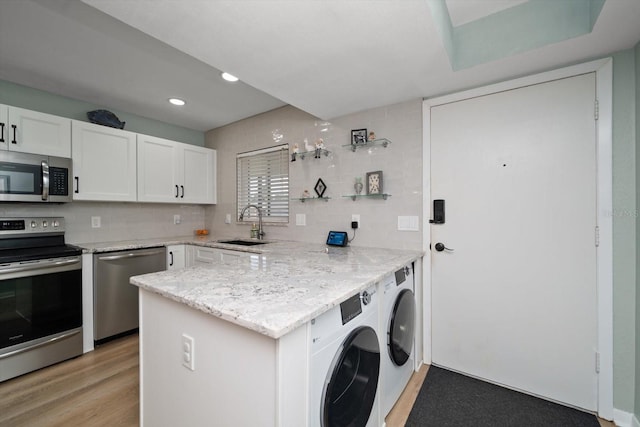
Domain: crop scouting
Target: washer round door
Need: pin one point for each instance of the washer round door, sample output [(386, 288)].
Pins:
[(352, 382), (402, 328)]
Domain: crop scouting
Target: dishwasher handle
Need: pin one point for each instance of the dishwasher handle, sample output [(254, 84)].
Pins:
[(128, 255)]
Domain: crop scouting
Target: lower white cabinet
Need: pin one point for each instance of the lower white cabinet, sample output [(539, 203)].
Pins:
[(104, 163), (176, 257), (199, 255)]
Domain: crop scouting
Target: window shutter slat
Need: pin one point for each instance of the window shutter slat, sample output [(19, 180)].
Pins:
[(263, 180)]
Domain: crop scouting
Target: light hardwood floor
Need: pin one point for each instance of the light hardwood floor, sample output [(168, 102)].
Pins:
[(100, 388)]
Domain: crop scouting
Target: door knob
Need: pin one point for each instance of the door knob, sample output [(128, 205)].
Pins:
[(441, 247)]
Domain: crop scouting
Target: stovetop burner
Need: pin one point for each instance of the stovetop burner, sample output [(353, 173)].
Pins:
[(29, 239), (9, 256)]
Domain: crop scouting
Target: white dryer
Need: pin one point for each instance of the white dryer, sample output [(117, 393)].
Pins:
[(397, 335), (345, 364)]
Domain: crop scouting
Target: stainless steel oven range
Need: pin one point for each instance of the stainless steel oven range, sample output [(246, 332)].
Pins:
[(40, 295)]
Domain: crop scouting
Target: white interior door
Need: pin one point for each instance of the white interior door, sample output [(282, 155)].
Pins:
[(515, 301)]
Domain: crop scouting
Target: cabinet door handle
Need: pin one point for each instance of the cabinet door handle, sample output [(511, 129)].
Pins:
[(77, 185), (14, 134), (1, 132), (171, 255), (182, 188), (177, 191)]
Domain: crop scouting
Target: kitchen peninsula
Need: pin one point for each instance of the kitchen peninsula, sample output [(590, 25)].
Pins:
[(228, 344)]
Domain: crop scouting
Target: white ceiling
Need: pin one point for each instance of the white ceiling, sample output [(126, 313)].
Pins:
[(464, 11), (329, 58)]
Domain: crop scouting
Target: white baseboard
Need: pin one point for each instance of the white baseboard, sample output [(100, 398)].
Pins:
[(625, 419)]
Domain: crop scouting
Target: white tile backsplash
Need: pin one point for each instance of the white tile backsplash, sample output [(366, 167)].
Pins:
[(119, 221), (400, 162)]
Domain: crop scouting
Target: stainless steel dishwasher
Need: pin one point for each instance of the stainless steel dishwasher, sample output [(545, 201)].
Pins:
[(115, 300)]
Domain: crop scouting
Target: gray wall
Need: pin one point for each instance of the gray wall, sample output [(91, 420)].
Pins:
[(637, 365), (400, 162), (46, 102), (624, 230)]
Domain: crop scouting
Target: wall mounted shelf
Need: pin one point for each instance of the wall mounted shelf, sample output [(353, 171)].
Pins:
[(379, 141), (383, 196), (304, 199), (310, 154)]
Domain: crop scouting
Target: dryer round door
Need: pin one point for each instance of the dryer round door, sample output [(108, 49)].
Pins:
[(402, 328), (350, 391)]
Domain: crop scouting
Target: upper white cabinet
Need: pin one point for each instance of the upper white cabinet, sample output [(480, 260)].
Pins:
[(4, 126), (29, 131), (104, 163), (199, 167), (173, 172)]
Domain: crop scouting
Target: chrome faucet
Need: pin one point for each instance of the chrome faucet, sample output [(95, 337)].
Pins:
[(260, 232)]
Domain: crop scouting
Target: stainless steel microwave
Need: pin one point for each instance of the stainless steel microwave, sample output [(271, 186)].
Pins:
[(34, 178)]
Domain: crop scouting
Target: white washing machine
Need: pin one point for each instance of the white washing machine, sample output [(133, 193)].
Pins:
[(345, 364), (397, 335)]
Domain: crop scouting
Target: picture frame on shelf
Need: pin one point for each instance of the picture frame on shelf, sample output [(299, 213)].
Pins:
[(358, 136), (320, 187), (374, 182)]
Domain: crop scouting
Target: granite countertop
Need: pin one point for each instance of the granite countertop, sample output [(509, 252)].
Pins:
[(283, 285)]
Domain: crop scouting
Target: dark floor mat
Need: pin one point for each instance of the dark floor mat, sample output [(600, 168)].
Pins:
[(451, 399)]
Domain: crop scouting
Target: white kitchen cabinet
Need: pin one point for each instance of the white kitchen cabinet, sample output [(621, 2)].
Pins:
[(4, 126), (199, 167), (28, 131), (176, 257), (199, 255), (104, 163), (173, 172)]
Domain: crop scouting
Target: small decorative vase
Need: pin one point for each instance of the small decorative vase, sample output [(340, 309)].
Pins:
[(358, 185)]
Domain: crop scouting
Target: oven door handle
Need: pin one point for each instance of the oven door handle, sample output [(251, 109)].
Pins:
[(39, 266), (41, 344)]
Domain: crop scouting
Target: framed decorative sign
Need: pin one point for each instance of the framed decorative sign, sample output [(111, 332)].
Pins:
[(358, 136), (374, 182), (320, 187)]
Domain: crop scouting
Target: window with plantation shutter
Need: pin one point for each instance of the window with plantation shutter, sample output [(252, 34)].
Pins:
[(263, 180)]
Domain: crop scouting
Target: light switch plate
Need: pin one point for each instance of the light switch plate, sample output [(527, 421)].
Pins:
[(301, 219), (188, 352), (408, 223)]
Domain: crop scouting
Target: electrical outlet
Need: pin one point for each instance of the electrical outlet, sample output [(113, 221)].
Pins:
[(177, 219), (301, 219), (227, 219), (95, 222), (188, 352), (356, 218)]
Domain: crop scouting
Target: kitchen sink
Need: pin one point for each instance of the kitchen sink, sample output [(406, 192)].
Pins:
[(242, 242)]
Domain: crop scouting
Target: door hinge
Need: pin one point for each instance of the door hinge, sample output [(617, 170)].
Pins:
[(596, 110), (597, 362), (597, 236)]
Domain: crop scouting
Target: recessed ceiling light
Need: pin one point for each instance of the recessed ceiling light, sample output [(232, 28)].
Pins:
[(228, 77), (177, 101)]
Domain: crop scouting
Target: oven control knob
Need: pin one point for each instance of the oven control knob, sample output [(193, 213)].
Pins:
[(44, 224), (56, 224), (33, 224)]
